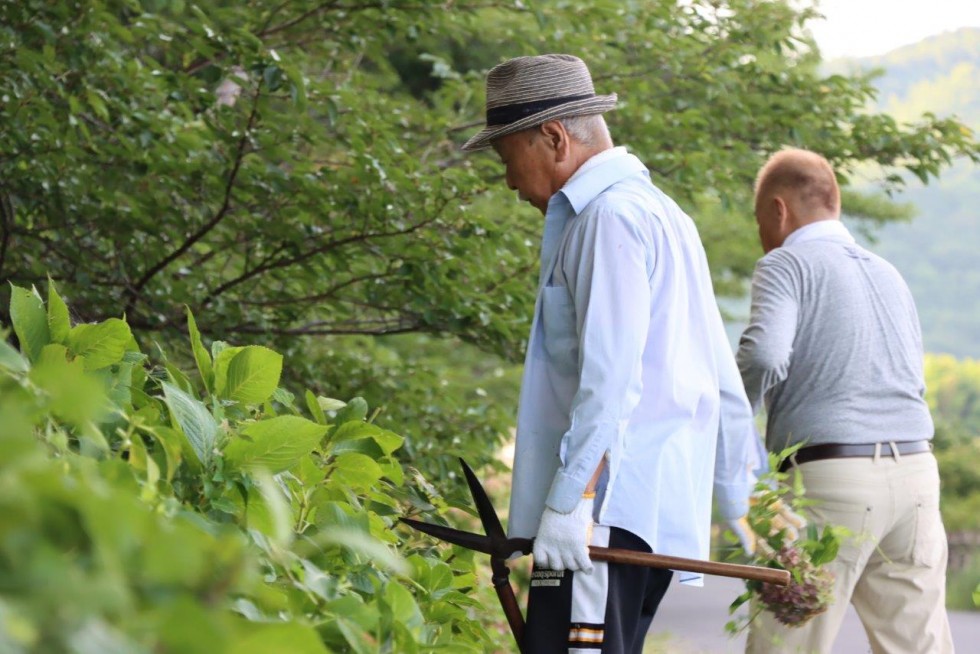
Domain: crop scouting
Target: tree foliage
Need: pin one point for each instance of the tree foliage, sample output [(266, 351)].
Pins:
[(935, 252), (293, 168), (290, 171), (314, 202), (953, 393), (147, 508)]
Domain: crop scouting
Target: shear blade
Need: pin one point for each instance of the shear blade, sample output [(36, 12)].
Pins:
[(465, 539), (488, 516)]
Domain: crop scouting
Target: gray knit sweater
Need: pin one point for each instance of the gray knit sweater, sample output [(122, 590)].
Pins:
[(833, 345)]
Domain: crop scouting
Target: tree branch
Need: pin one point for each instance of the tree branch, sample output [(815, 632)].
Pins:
[(322, 328), (297, 20), (318, 297), (134, 294), (6, 228), (300, 258), (519, 272)]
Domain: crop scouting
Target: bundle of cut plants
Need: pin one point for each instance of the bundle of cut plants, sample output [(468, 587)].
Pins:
[(808, 594), (784, 540)]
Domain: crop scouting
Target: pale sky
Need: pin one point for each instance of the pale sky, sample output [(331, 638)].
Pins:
[(860, 28)]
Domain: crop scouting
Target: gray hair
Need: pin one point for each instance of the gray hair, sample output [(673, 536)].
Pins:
[(589, 130)]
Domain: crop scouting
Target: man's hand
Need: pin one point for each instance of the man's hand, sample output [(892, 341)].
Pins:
[(746, 537), (783, 519), (562, 542)]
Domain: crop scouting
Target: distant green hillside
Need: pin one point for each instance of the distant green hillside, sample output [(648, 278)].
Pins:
[(938, 251), (939, 74)]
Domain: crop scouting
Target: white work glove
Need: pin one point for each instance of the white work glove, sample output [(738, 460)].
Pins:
[(563, 539), (783, 519)]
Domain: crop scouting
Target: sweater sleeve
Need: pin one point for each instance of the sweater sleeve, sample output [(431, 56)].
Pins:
[(766, 346)]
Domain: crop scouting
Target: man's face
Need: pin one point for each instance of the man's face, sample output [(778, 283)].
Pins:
[(530, 165)]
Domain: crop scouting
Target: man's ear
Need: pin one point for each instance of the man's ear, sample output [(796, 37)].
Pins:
[(557, 138), (782, 212)]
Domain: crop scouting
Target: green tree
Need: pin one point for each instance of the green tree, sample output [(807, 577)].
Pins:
[(292, 169), (277, 165), (952, 391)]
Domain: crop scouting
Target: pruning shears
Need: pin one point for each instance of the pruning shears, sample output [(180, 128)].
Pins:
[(495, 543)]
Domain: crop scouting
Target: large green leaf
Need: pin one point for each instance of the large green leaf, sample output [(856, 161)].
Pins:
[(72, 394), (102, 344), (253, 375), (170, 444), (359, 639), (294, 638), (30, 320), (314, 406), (403, 606), (119, 384), (222, 354), (59, 322), (275, 444), (201, 355), (355, 470), (10, 358), (364, 545), (194, 420), (269, 510), (386, 440)]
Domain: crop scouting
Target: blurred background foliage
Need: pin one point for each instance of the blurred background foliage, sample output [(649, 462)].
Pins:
[(290, 172), (936, 251)]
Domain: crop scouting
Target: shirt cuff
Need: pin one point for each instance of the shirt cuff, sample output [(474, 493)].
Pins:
[(732, 500), (566, 492)]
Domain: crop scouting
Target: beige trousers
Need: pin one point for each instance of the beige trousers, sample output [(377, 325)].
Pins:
[(893, 567)]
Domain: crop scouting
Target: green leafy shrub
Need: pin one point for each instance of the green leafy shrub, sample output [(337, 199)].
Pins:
[(144, 508), (803, 554)]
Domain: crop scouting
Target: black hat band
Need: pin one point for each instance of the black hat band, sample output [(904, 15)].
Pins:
[(511, 113)]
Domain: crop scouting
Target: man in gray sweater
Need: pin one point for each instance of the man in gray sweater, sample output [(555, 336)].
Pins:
[(834, 349)]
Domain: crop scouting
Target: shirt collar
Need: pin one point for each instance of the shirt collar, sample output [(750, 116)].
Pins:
[(830, 228), (597, 174)]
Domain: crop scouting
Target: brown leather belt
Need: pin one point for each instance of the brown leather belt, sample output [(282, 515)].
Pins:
[(841, 451)]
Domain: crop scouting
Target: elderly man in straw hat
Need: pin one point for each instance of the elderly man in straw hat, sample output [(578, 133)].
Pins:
[(630, 390)]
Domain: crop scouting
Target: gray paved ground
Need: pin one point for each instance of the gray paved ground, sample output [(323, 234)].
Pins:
[(692, 621)]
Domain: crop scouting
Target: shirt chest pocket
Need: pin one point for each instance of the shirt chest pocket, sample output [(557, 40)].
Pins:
[(560, 335)]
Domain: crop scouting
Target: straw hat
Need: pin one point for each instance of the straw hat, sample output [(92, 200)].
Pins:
[(528, 91)]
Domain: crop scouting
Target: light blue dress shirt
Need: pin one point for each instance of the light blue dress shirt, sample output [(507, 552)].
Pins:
[(628, 360)]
